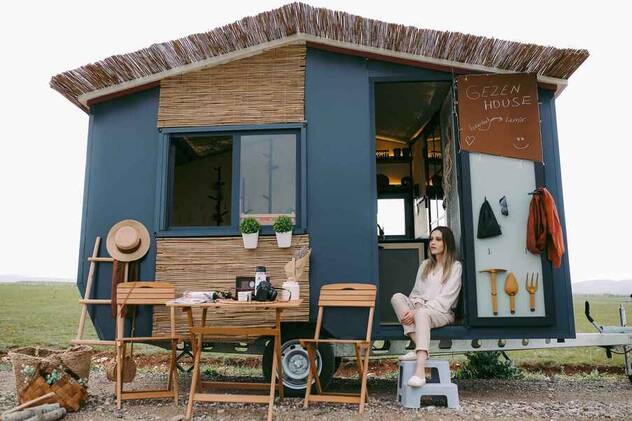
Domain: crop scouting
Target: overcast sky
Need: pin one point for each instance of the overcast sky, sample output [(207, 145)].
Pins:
[(42, 158)]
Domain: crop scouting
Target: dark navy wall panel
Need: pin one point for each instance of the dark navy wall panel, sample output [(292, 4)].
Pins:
[(341, 191), (120, 184), (553, 182), (340, 216)]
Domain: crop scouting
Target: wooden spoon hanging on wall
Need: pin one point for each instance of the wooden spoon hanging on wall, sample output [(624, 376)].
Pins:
[(511, 288)]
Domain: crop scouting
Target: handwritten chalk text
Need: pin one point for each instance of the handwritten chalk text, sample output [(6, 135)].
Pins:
[(498, 96)]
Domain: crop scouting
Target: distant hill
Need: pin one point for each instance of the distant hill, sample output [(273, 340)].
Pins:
[(604, 286), (24, 278)]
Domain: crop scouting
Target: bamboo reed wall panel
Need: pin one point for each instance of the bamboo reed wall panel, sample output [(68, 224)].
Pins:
[(266, 88), (204, 264)]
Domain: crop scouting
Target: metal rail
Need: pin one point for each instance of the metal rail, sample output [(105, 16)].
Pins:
[(460, 346)]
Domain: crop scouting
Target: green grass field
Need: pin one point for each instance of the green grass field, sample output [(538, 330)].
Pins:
[(47, 314), (605, 310), (39, 314)]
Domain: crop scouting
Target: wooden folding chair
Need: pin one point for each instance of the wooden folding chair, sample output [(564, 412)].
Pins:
[(144, 293), (342, 295)]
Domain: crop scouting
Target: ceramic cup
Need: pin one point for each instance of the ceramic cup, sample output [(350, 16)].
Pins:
[(243, 296)]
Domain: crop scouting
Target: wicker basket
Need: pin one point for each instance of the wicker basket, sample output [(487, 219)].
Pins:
[(129, 369), (70, 369)]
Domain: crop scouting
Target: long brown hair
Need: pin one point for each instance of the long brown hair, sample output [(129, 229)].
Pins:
[(449, 252)]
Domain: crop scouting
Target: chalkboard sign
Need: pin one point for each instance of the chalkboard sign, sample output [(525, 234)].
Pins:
[(499, 115)]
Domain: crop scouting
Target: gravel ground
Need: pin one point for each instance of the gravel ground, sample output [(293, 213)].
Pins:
[(536, 397)]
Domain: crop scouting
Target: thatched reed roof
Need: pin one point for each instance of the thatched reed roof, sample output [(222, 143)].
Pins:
[(298, 22)]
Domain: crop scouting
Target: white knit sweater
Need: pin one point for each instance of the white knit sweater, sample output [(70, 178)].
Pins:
[(433, 292)]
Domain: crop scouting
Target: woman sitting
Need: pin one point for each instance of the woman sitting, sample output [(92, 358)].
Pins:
[(432, 300)]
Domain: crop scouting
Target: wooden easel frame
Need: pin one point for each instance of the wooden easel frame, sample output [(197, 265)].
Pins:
[(86, 300)]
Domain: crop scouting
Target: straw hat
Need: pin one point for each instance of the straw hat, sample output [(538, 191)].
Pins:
[(128, 240)]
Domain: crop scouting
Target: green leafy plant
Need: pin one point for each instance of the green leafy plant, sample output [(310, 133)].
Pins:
[(53, 377), (282, 223), (28, 370), (249, 226), (212, 373), (487, 365), (593, 376)]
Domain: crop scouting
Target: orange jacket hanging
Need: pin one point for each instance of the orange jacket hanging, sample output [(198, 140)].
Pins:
[(543, 227)]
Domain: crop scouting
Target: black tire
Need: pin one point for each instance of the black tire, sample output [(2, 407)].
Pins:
[(630, 377), (294, 360)]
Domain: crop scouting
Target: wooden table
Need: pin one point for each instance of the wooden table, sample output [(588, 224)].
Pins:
[(197, 333)]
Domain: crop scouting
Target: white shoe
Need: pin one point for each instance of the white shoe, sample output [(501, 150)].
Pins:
[(409, 356), (416, 381)]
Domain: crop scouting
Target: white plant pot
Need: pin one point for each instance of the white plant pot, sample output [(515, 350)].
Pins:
[(284, 239), (250, 240)]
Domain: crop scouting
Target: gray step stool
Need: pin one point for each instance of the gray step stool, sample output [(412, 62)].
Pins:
[(438, 384)]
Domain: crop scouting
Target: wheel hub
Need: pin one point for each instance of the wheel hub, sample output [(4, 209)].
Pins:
[(296, 364)]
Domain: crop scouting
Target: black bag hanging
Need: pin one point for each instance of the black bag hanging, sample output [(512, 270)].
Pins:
[(487, 223)]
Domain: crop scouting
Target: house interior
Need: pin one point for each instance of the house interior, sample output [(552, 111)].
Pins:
[(413, 143)]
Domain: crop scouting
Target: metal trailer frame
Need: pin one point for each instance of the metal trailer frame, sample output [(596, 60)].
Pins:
[(614, 339)]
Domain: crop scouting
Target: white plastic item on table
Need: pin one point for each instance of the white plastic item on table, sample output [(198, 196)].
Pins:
[(244, 295), (200, 295), (291, 291)]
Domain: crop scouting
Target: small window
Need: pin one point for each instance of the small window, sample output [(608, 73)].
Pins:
[(214, 178), (391, 216), (201, 174), (268, 174)]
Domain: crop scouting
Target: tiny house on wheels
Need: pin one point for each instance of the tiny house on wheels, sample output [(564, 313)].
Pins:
[(368, 134)]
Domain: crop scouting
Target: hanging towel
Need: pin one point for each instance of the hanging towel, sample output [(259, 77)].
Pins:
[(544, 231), (487, 223), (118, 276)]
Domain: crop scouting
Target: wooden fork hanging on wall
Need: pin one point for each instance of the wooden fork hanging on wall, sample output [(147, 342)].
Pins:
[(532, 286)]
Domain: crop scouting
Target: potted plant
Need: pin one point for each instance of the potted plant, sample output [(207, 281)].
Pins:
[(283, 228), (249, 228)]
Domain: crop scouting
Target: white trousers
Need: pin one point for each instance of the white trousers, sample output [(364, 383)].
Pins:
[(426, 318)]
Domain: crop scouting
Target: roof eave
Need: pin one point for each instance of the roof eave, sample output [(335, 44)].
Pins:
[(91, 97)]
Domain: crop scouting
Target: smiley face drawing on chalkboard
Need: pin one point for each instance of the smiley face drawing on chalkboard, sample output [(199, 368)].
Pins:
[(520, 143)]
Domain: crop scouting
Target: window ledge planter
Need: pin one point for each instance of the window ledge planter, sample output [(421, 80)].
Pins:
[(250, 240), (250, 228), (284, 239), (283, 226)]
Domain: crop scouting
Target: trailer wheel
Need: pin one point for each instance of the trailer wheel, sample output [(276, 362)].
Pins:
[(295, 362)]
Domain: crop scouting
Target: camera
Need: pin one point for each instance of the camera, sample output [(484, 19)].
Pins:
[(264, 292)]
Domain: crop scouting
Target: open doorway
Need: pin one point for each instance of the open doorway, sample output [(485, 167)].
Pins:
[(416, 179)]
